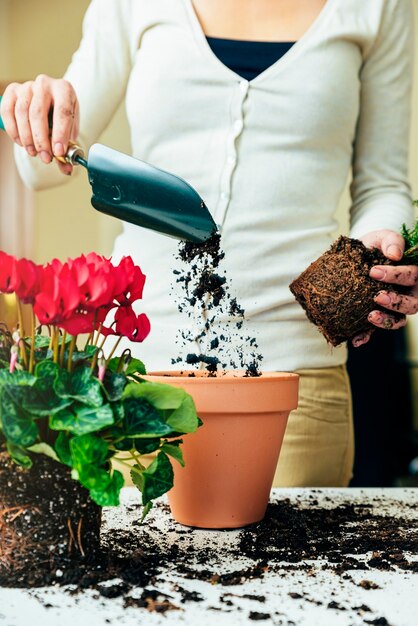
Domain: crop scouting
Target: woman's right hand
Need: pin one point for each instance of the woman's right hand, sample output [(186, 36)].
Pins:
[(25, 109)]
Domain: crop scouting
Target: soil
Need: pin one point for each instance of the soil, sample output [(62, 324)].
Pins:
[(292, 537), (207, 301), (47, 521), (337, 292)]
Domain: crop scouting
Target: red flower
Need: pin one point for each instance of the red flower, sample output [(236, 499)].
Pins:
[(78, 295), (8, 273), (79, 322), (128, 324), (58, 296), (130, 281), (29, 279), (142, 328)]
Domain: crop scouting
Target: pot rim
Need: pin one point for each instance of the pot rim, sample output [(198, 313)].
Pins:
[(228, 376)]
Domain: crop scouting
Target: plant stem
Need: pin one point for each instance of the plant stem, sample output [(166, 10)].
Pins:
[(20, 316), (132, 468), (62, 350), (56, 344), (89, 338), (32, 345), (136, 459), (22, 345), (114, 347), (99, 330), (70, 353)]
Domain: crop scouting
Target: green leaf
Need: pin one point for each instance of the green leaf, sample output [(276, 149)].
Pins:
[(19, 455), (161, 396), (137, 477), (146, 446), (41, 400), (44, 448), (124, 445), (93, 477), (83, 355), (18, 378), (41, 341), (184, 418), (114, 384), (118, 411), (62, 448), (143, 420), (109, 495), (174, 451), (46, 369), (17, 425), (80, 385), (158, 478), (88, 449), (81, 420), (135, 366)]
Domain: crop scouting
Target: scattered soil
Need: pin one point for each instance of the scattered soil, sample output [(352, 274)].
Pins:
[(339, 536), (291, 538), (337, 292), (206, 300), (46, 519)]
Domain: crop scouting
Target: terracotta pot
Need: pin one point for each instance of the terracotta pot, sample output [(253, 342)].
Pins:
[(231, 459)]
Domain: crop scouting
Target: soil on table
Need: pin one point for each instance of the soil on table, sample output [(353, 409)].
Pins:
[(217, 319), (46, 520), (292, 537), (337, 292)]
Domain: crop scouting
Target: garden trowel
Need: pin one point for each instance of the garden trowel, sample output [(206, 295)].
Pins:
[(142, 194)]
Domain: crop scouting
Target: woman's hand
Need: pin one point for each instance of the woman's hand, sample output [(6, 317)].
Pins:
[(392, 245), (25, 109)]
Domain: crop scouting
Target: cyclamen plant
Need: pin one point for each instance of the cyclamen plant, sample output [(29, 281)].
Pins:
[(78, 406)]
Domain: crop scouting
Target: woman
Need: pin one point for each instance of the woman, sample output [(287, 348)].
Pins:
[(263, 106)]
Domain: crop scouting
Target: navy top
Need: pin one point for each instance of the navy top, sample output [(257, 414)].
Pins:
[(248, 58)]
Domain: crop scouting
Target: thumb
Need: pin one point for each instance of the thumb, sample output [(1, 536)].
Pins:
[(393, 245)]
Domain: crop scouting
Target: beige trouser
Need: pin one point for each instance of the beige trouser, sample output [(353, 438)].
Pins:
[(318, 446)]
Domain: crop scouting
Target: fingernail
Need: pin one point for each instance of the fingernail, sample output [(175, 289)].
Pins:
[(31, 150), (359, 340), (377, 272), (376, 317), (395, 252), (45, 156), (388, 323), (59, 149), (383, 298)]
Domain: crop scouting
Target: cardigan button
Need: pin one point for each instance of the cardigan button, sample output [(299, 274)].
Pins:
[(243, 85), (238, 126)]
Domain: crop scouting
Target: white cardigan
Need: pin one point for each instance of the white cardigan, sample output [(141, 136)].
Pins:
[(270, 157)]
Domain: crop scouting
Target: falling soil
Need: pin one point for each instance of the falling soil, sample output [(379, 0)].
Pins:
[(293, 537), (46, 518), (217, 316), (337, 292)]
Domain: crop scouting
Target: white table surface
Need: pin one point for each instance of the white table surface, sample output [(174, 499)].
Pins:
[(396, 599)]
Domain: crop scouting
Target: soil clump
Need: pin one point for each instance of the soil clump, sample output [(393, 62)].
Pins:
[(216, 317), (337, 292), (46, 519)]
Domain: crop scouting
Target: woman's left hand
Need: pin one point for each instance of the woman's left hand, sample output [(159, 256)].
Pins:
[(392, 245)]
